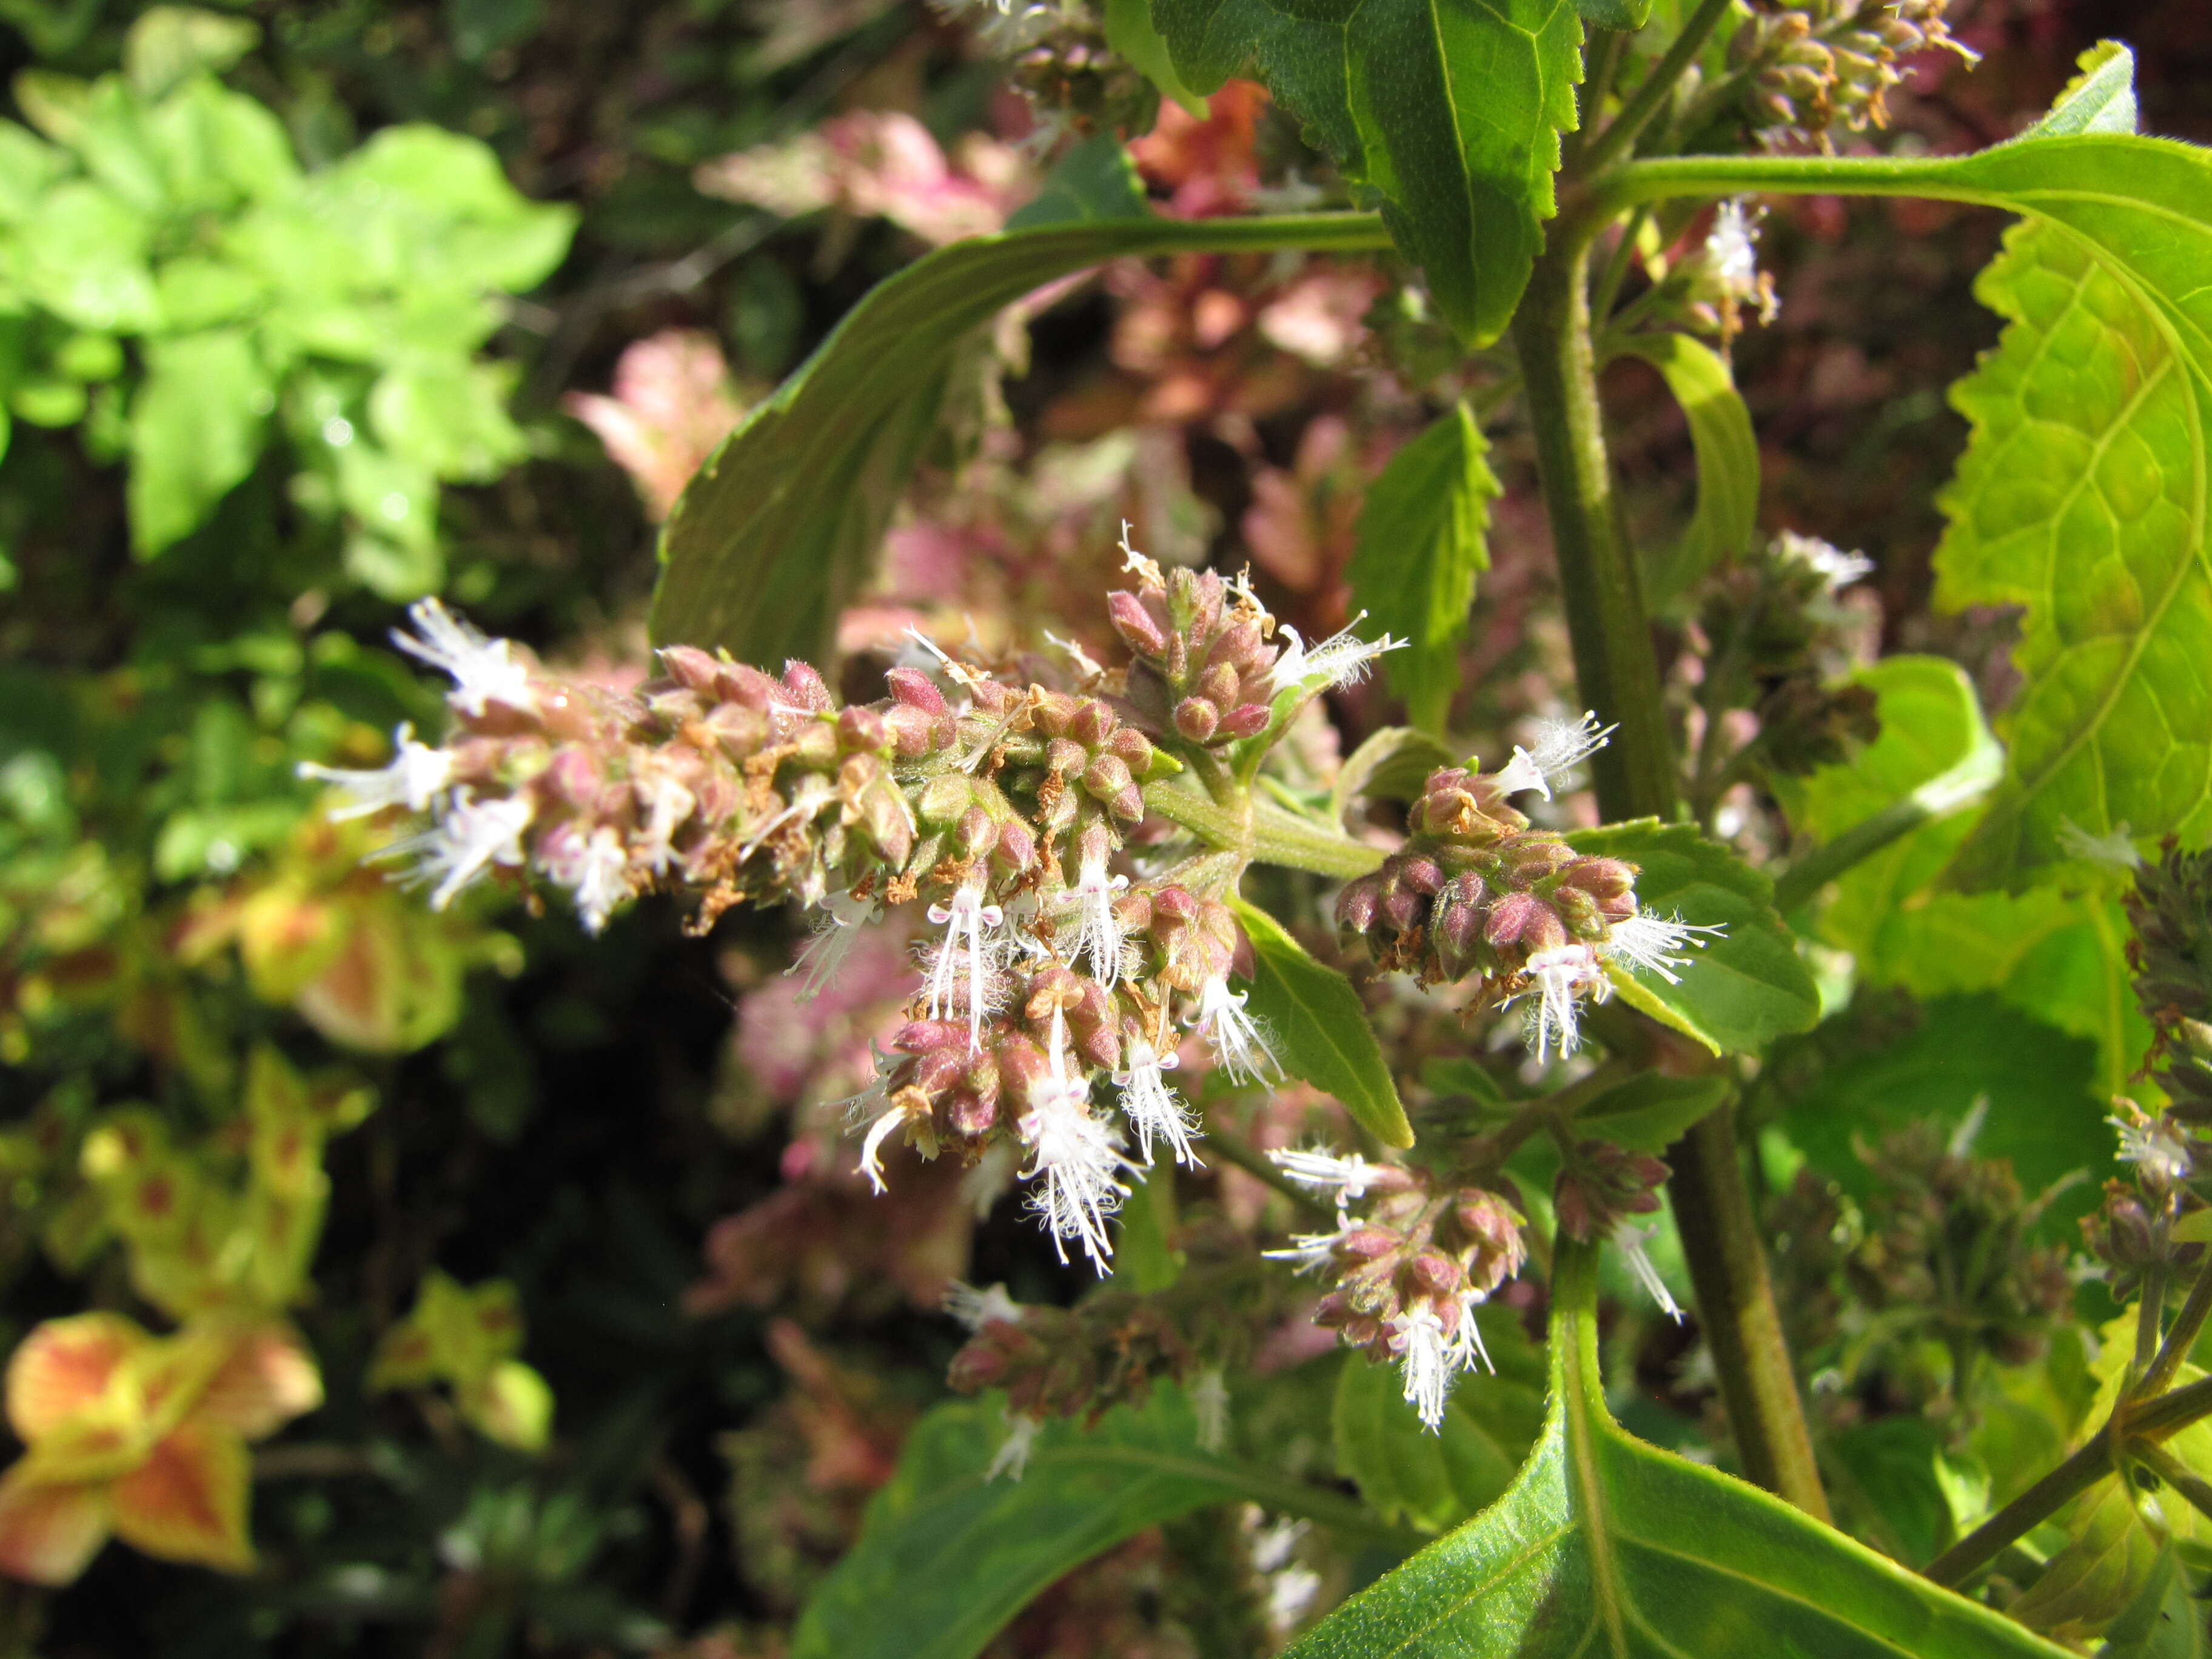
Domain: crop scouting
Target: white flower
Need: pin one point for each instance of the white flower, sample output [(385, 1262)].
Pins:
[(1152, 1108), (1134, 563), (1209, 1400), (1563, 974), (1074, 1161), (1561, 746), (667, 804), (594, 869), (1239, 1048), (976, 1309), (1097, 929), (824, 953), (1342, 658), (1835, 569), (1651, 944), (1290, 1592), (1349, 1179), (1309, 1251), (669, 809), (2115, 848), (1417, 1338), (897, 1116), (484, 670), (958, 672), (1013, 1454), (471, 836), (1629, 1239), (2155, 1147), (415, 777), (966, 960), (1732, 249)]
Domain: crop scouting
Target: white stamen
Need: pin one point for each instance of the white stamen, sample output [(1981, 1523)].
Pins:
[(1651, 944), (977, 1308), (470, 837), (415, 777), (1417, 1338), (483, 670), (1239, 1048), (872, 1149), (2115, 848), (1346, 1179), (1097, 929), (1629, 1239), (667, 805), (966, 960), (1310, 1252), (1152, 1108), (1342, 658), (1562, 974), (2155, 1148), (1013, 1454), (1074, 1159), (1134, 563), (1467, 1347), (823, 955), (1835, 569), (1561, 746), (594, 869), (958, 672), (1732, 249)]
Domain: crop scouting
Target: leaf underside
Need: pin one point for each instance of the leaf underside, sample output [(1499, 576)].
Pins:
[(1609, 1548), (1727, 450)]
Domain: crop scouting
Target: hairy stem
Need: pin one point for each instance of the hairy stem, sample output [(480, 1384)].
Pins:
[(1618, 674)]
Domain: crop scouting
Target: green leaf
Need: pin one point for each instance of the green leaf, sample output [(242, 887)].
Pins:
[(170, 43), (448, 416), (1129, 31), (1094, 182), (82, 256), (197, 425), (1437, 1480), (945, 1556), (1419, 545), (1648, 1113), (780, 528), (1615, 13), (1318, 1028), (1747, 986), (2043, 1112), (1450, 111), (2100, 98), (2164, 1621), (1609, 1548), (2081, 496), (1727, 454)]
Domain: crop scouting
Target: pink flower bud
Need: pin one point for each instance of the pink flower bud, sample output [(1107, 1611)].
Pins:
[(1196, 718), (1133, 621), (1092, 724), (804, 686), (912, 689), (1247, 719), (1221, 685), (690, 667), (1357, 904), (862, 727)]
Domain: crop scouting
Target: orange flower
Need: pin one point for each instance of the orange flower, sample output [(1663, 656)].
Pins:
[(142, 1437)]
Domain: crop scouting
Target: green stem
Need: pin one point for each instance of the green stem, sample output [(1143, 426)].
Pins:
[(1616, 266), (2170, 1469), (1663, 177), (1232, 1149), (1299, 843), (1657, 87), (2183, 1336), (1618, 674), (1941, 796)]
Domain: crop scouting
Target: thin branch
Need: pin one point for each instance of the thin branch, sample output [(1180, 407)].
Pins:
[(2183, 1336), (1234, 1149), (1658, 86)]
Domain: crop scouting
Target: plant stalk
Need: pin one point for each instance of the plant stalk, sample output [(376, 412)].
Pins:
[(1618, 674)]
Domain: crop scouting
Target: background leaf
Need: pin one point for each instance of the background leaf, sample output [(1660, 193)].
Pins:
[(1433, 1480), (780, 527), (1129, 31), (1318, 1027), (1421, 544), (945, 1558), (1606, 1546), (1648, 1113), (1727, 452), (1746, 987), (1450, 111), (197, 427), (1095, 181)]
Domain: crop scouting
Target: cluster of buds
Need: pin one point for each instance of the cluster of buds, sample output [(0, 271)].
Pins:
[(1060, 61), (1476, 893), (2172, 954), (1409, 1273), (1777, 635), (999, 804), (1815, 65)]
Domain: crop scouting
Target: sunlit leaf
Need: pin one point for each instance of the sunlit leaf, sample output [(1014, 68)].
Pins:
[(1318, 1027), (1607, 1547), (197, 427), (1745, 985), (1421, 541), (1448, 111), (1727, 452)]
